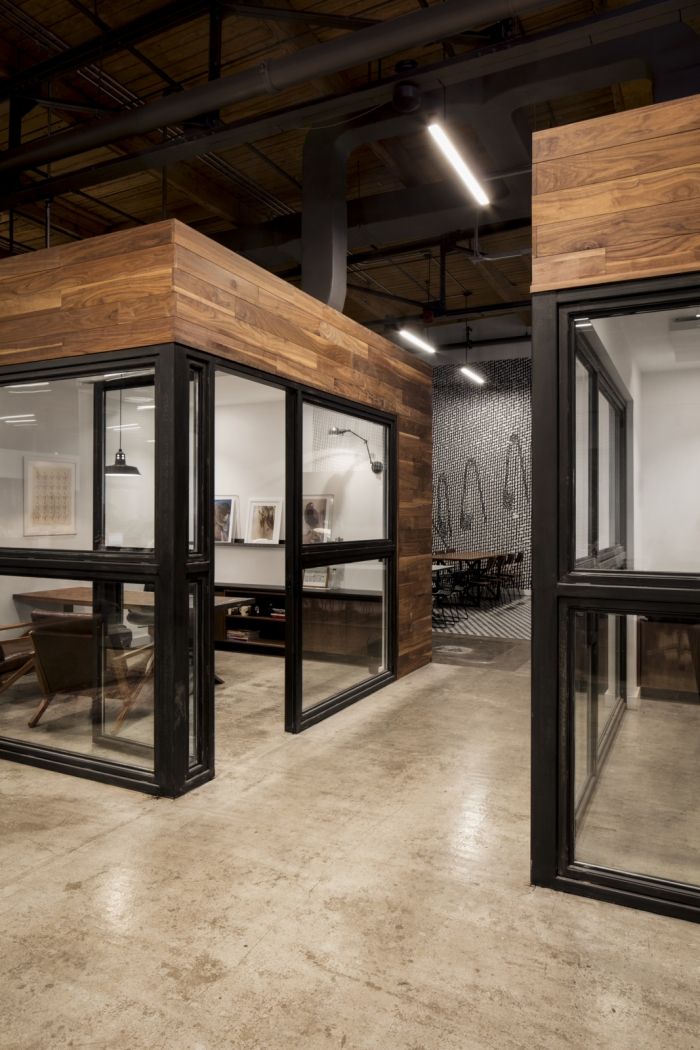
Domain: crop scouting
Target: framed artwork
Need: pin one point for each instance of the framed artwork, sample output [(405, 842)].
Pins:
[(264, 521), (316, 577), (316, 519), (49, 497), (226, 515)]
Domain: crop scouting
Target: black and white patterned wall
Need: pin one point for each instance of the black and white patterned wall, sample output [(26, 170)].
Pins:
[(482, 459)]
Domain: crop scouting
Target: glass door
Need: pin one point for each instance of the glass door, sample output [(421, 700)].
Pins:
[(342, 572)]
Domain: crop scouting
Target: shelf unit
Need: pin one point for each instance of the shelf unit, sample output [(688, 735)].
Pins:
[(272, 628)]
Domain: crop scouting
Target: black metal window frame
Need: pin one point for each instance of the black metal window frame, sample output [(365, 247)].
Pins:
[(558, 589), (165, 567), (602, 382), (298, 557)]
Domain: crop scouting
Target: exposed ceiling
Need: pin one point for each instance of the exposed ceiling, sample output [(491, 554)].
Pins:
[(273, 126)]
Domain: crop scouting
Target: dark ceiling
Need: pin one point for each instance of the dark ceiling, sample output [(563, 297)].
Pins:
[(280, 129)]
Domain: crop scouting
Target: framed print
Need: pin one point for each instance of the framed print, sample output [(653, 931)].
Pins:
[(49, 497), (316, 519), (264, 521), (226, 514), (316, 577)]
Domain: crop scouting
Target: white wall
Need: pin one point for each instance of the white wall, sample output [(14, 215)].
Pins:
[(669, 492), (250, 463), (249, 428)]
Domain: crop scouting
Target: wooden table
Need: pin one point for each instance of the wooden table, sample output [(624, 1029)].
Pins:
[(68, 597), (461, 556)]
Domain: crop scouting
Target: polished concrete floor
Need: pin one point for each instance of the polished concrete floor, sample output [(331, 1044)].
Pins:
[(362, 886)]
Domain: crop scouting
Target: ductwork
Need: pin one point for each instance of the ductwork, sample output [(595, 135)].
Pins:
[(400, 34)]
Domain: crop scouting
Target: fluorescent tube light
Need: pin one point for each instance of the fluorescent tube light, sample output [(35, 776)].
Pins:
[(583, 322), (27, 386), (24, 415), (126, 426), (145, 408), (444, 143), (416, 340), (474, 376)]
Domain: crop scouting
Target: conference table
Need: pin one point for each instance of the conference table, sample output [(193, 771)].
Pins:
[(68, 598)]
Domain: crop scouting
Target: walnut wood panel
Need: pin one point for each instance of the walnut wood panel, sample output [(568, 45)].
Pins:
[(617, 198), (167, 283)]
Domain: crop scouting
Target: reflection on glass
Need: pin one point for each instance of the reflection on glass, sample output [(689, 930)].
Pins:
[(129, 477), (344, 477), (249, 481), (47, 445), (195, 655), (193, 453), (653, 357), (344, 631), (637, 802), (582, 395), (77, 665), (605, 474)]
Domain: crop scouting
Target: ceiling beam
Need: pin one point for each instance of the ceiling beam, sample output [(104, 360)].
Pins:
[(393, 36), (465, 69), (170, 16)]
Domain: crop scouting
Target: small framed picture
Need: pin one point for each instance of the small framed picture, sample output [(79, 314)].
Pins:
[(226, 513), (264, 521), (316, 519), (49, 497), (316, 577)]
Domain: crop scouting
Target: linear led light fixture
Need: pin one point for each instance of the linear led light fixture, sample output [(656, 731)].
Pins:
[(471, 374), (450, 151), (34, 387), (25, 415), (126, 426), (145, 408), (583, 322), (416, 340)]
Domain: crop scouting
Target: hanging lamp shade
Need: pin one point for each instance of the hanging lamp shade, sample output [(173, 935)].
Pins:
[(120, 468)]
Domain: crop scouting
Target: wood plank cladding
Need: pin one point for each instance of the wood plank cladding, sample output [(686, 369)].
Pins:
[(617, 198), (166, 283)]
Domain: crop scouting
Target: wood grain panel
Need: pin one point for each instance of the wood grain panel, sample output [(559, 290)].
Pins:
[(617, 198), (167, 283)]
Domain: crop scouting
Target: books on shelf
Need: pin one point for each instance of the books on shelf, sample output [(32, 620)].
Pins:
[(235, 634)]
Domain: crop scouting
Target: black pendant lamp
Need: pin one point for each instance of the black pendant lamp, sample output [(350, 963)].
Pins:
[(120, 468)]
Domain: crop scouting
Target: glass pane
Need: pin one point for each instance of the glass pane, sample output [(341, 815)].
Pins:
[(640, 799), (344, 477), (582, 396), (193, 464), (249, 482), (129, 476), (344, 629), (77, 664), (653, 357), (195, 654), (605, 474), (49, 497)]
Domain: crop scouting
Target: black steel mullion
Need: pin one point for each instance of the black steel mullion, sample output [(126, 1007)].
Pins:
[(172, 605), (293, 561), (545, 625)]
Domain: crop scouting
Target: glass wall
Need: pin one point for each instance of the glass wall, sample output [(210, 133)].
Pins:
[(648, 363), (344, 628), (344, 477), (636, 800), (616, 609), (78, 667), (50, 431)]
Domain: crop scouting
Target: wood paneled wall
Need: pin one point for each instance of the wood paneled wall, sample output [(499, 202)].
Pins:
[(167, 283), (617, 198)]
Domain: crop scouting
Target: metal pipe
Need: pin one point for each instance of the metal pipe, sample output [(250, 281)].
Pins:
[(399, 34)]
